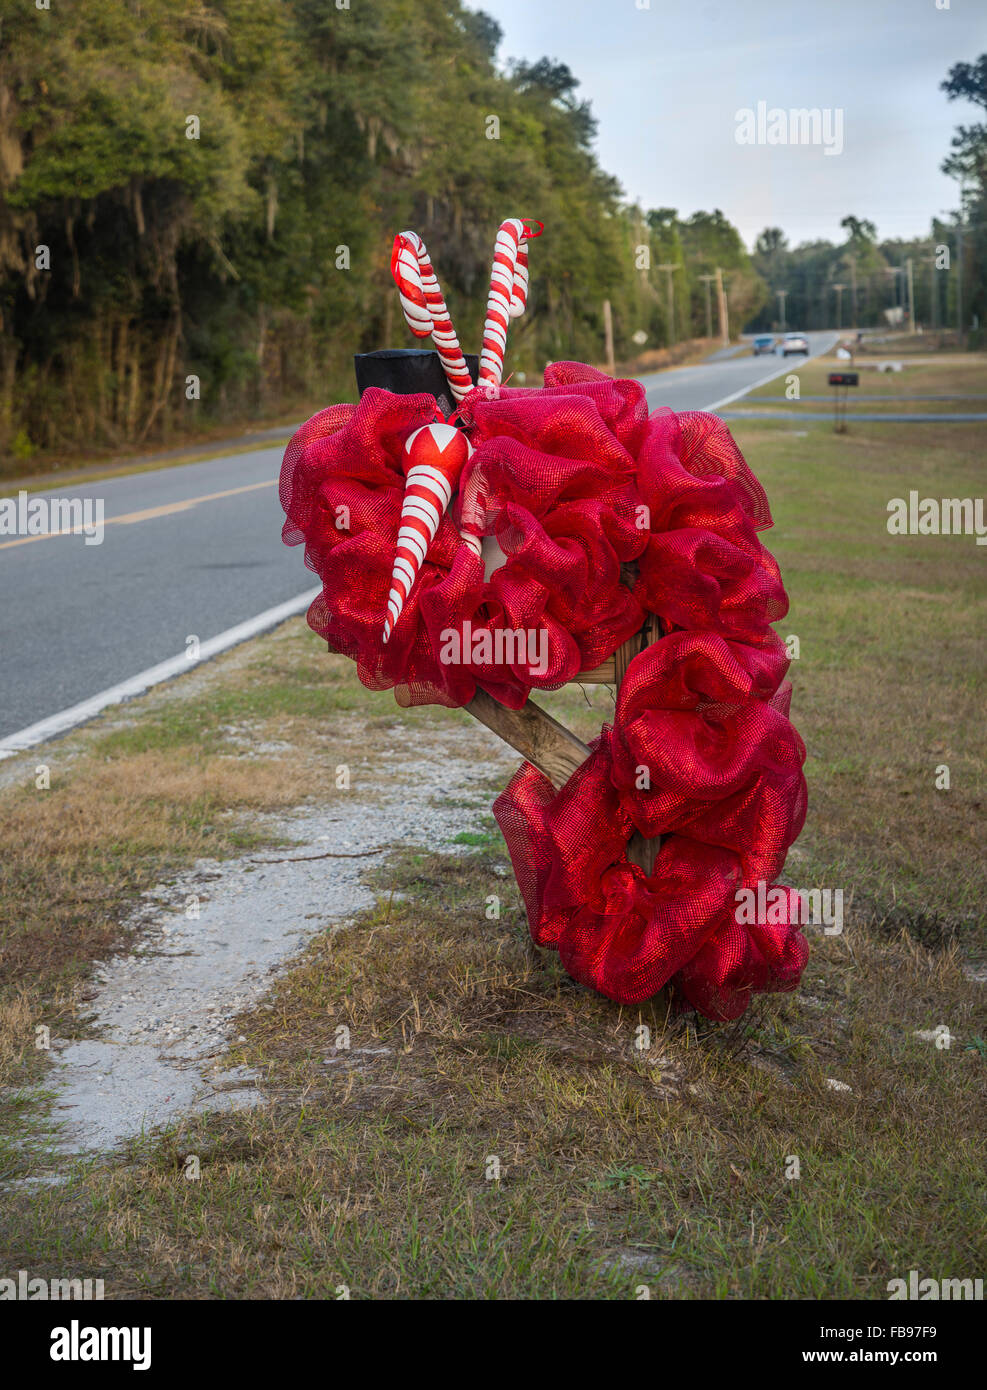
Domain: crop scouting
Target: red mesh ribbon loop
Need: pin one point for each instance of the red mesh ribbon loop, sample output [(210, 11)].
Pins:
[(695, 751), (623, 933)]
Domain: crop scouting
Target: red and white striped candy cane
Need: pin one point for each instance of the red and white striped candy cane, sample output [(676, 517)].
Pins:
[(508, 294), (425, 310)]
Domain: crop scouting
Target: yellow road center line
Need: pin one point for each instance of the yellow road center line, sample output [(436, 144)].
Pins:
[(128, 518)]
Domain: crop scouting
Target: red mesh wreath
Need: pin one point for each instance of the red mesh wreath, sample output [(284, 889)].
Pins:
[(576, 481)]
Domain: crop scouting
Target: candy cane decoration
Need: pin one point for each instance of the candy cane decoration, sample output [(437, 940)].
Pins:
[(433, 459), (435, 454), (424, 308), (508, 295)]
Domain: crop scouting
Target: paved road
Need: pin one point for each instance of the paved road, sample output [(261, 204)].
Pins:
[(193, 551), (720, 380)]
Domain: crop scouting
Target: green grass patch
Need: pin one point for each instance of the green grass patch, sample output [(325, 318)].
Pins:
[(953, 374)]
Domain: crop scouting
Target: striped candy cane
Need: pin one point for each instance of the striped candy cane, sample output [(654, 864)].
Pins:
[(425, 310), (508, 295)]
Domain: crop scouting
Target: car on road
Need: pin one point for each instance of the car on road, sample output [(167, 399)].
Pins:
[(793, 342), (764, 342)]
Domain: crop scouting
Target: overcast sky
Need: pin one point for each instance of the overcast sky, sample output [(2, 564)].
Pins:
[(666, 84)]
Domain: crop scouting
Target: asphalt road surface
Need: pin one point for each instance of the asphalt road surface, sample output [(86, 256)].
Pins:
[(721, 380), (193, 551)]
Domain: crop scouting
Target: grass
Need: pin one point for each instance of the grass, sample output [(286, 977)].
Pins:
[(492, 1130), (198, 440), (889, 682), (949, 375)]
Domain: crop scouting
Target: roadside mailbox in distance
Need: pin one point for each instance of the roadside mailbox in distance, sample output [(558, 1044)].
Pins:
[(840, 382)]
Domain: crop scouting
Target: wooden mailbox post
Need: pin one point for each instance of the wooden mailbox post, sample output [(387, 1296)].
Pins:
[(549, 745)]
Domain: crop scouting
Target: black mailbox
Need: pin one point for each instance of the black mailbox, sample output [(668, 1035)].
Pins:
[(844, 379)]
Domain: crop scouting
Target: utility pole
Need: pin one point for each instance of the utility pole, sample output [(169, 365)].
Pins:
[(839, 306), (608, 336), (668, 267), (894, 271), (934, 294), (707, 281), (782, 296), (853, 291), (959, 270), (911, 295), (721, 300)]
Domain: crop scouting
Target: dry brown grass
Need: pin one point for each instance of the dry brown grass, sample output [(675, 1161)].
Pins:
[(15, 1027), (72, 857)]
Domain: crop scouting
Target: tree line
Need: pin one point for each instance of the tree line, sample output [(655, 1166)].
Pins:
[(863, 282), (197, 203), (214, 189)]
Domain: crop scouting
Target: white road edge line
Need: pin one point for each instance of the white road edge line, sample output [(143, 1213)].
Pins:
[(728, 400), (126, 690)]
